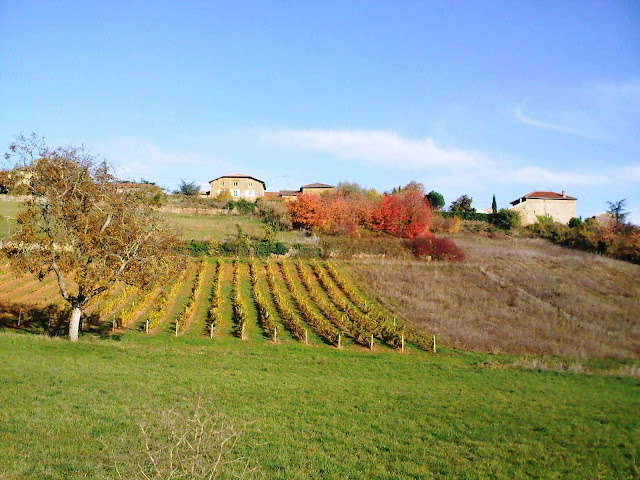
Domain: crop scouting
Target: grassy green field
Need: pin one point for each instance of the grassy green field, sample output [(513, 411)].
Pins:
[(223, 227), (189, 226), (73, 411), (8, 213)]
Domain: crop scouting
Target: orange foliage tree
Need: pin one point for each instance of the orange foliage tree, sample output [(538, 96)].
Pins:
[(405, 214), (307, 211)]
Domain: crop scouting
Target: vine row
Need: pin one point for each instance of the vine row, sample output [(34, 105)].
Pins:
[(320, 324), (215, 312), (290, 319), (160, 309), (265, 313), (239, 307), (343, 322), (185, 315)]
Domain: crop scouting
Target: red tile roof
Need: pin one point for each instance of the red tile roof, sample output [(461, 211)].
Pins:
[(544, 195)]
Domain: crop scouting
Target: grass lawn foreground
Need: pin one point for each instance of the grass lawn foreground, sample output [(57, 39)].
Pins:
[(74, 410)]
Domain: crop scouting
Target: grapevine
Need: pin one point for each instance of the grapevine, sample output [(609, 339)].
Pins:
[(185, 315), (290, 319), (111, 304), (385, 328), (390, 337), (215, 312), (127, 314), (160, 309), (324, 328), (265, 313), (360, 335), (239, 307)]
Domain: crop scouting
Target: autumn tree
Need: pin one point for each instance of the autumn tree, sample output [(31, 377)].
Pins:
[(307, 211), (403, 214), (79, 226), (462, 204)]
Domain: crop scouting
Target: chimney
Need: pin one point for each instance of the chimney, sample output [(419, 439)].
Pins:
[(564, 194)]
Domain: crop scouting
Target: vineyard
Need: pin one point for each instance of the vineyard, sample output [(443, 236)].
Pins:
[(313, 303)]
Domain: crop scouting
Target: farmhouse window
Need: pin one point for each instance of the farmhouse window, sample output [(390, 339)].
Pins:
[(250, 184), (236, 193), (222, 183), (235, 184)]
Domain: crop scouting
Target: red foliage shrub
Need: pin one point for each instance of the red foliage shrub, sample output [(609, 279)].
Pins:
[(307, 211), (406, 214), (436, 248)]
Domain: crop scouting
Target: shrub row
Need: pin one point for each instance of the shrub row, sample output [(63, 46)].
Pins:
[(343, 322), (290, 319), (479, 217), (265, 314), (320, 324)]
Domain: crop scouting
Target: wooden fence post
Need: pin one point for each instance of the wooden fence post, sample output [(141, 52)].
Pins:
[(372, 342), (402, 343), (211, 331), (19, 317), (434, 344), (339, 340), (146, 326), (306, 337), (177, 322), (113, 324)]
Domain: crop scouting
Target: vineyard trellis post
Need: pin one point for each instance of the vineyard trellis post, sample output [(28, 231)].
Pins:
[(211, 331), (372, 342), (177, 322), (434, 344), (402, 344), (275, 334), (306, 337), (146, 327)]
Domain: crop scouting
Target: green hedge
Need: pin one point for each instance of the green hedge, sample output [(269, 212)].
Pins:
[(481, 217)]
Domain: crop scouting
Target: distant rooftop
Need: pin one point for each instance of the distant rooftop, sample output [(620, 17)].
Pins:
[(240, 175), (317, 185), (544, 195)]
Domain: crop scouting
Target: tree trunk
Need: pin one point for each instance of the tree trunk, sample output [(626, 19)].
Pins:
[(74, 323)]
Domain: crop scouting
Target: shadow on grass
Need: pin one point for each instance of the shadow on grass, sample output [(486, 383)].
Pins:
[(52, 320)]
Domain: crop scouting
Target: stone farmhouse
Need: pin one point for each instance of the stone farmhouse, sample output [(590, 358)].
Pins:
[(246, 187), (239, 186), (560, 206)]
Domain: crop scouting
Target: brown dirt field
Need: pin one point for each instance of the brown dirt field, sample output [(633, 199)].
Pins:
[(514, 296)]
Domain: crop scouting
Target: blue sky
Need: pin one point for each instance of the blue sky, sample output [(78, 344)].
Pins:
[(469, 98)]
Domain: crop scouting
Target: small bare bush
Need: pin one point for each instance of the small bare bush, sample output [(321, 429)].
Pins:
[(439, 224), (199, 445)]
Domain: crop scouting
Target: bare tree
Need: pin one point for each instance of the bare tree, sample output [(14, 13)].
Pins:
[(80, 226)]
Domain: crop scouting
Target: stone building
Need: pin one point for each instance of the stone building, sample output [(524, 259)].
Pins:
[(560, 206), (239, 186)]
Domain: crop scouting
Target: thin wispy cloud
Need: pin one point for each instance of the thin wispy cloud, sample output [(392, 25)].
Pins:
[(555, 127), (543, 176), (378, 148)]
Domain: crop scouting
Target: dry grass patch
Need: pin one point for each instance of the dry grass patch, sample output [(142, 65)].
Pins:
[(515, 296)]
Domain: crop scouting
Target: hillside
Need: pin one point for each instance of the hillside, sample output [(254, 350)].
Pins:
[(515, 295)]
